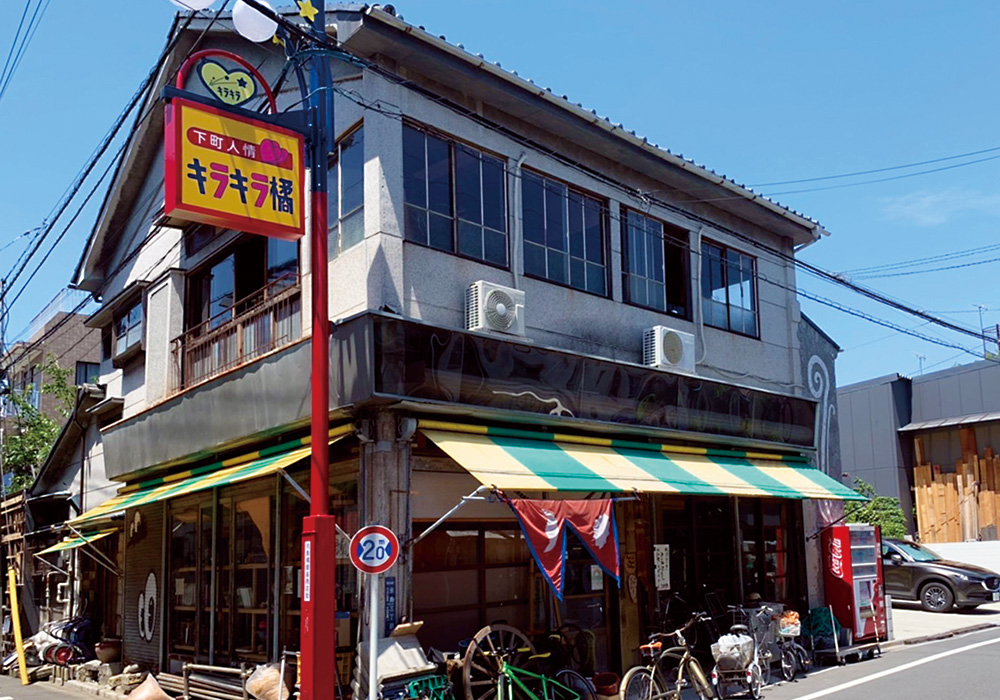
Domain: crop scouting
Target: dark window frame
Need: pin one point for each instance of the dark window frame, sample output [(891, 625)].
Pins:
[(94, 371), (667, 231), (604, 220), (724, 261), (454, 144), (122, 353)]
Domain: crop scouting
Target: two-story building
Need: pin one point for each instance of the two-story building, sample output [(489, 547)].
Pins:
[(524, 298)]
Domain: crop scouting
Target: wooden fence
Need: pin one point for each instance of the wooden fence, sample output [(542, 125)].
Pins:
[(959, 505)]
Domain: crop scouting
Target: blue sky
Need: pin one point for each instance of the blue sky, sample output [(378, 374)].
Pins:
[(762, 92)]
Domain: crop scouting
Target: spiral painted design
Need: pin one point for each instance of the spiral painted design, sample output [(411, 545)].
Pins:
[(818, 377)]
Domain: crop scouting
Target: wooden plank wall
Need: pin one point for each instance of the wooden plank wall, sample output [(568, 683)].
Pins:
[(964, 504)]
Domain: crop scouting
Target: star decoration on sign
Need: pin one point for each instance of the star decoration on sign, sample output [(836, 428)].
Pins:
[(242, 82), (307, 10)]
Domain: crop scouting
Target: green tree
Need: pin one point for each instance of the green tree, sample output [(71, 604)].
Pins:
[(877, 510), (30, 434)]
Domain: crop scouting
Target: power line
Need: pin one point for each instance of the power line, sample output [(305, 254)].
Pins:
[(921, 261), (884, 275), (878, 170), (29, 34)]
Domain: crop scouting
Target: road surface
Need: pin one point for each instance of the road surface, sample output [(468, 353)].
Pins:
[(964, 667)]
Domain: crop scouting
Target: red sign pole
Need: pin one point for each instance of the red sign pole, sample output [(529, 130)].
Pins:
[(319, 545)]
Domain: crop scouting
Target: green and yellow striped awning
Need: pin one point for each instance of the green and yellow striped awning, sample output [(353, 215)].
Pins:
[(231, 471), (74, 542), (520, 460)]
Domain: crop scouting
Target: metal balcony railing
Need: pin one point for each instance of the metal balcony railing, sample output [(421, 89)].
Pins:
[(263, 321)]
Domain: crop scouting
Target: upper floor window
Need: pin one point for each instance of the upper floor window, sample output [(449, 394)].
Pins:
[(563, 234), (656, 264), (255, 268), (346, 198), (128, 329), (455, 197), (728, 292), (87, 373)]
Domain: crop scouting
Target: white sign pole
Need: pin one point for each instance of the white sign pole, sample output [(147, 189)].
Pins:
[(372, 636)]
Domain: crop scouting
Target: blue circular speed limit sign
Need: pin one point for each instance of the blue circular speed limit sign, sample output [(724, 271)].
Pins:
[(374, 549)]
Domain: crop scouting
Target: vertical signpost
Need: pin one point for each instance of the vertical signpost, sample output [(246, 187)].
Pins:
[(374, 550)]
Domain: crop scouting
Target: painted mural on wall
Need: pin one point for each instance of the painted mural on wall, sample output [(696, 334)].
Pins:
[(818, 353)]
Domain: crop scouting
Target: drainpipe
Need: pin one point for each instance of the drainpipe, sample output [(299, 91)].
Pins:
[(699, 312), (517, 230)]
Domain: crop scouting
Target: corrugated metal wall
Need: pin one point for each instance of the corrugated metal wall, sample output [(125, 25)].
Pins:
[(143, 585)]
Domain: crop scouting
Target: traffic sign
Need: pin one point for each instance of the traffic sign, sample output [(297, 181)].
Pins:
[(374, 549)]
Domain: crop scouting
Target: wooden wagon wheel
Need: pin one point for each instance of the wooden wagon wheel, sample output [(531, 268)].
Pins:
[(481, 663)]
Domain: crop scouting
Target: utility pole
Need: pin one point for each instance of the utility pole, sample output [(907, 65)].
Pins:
[(920, 359), (982, 330)]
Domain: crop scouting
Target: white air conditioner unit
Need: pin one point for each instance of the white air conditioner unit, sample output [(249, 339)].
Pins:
[(490, 307), (666, 348)]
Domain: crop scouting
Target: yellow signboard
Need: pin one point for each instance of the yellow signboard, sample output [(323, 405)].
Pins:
[(234, 172)]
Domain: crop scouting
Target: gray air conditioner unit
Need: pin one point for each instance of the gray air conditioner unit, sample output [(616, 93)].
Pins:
[(666, 348), (490, 307)]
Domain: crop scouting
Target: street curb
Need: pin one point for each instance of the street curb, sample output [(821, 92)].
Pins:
[(939, 635)]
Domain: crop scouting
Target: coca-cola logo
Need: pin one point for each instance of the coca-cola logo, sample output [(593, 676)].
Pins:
[(837, 557)]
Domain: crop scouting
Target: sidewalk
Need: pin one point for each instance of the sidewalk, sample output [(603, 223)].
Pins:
[(912, 625)]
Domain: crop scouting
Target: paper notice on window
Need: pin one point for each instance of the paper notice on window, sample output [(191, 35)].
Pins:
[(596, 578), (661, 566)]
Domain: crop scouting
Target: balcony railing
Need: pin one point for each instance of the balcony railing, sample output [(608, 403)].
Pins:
[(264, 321)]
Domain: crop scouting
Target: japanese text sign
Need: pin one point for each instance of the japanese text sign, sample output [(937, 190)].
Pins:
[(232, 171)]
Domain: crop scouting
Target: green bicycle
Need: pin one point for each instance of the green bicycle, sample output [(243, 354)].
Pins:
[(519, 684)]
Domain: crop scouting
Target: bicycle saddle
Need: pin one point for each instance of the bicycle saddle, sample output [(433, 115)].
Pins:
[(739, 629), (652, 646)]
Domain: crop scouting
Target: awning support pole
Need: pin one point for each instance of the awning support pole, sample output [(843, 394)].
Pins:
[(103, 559), (110, 568), (61, 571), (306, 497), (474, 496)]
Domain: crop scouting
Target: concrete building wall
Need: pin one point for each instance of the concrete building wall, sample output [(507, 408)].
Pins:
[(872, 449)]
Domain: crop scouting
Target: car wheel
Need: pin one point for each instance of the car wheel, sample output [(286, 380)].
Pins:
[(936, 597)]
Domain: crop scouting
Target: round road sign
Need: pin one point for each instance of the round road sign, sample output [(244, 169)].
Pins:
[(374, 549)]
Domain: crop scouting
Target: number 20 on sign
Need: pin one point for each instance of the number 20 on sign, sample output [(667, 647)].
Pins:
[(374, 549)]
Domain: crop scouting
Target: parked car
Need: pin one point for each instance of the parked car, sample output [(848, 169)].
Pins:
[(914, 572)]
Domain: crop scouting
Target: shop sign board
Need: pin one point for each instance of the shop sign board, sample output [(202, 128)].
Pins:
[(374, 549), (232, 171)]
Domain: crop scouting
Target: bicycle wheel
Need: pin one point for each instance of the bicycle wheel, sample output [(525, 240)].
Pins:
[(802, 657), (766, 659), (639, 684), (756, 681), (787, 664), (701, 685), (578, 683)]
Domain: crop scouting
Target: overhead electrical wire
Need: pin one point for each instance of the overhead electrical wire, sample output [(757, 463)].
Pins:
[(923, 261), (890, 168), (17, 51)]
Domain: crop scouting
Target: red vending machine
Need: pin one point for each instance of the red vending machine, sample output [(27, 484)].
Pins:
[(852, 562)]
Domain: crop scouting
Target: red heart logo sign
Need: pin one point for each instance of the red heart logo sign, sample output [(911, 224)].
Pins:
[(272, 153)]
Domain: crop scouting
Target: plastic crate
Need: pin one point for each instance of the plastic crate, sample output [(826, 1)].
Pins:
[(430, 687)]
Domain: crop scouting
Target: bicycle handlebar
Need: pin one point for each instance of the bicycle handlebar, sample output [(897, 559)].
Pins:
[(695, 617)]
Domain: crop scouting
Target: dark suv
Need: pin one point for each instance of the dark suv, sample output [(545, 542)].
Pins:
[(913, 572)]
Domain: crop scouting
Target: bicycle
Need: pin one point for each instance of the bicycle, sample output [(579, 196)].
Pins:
[(667, 671), (513, 679), (747, 662), (792, 654)]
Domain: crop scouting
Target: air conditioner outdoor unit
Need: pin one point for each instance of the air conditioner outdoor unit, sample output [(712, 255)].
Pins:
[(666, 348), (490, 307)]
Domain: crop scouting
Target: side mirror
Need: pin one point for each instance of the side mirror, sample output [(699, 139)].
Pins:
[(896, 559)]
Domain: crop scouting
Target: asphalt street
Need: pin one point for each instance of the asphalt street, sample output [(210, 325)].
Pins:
[(965, 666)]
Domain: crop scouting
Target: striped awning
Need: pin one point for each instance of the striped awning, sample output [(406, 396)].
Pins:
[(519, 460), (74, 542), (251, 466)]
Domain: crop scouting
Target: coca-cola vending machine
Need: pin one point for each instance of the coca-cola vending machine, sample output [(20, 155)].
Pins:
[(852, 562)]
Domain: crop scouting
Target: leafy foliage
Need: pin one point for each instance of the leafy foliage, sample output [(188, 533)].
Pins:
[(878, 510), (30, 434)]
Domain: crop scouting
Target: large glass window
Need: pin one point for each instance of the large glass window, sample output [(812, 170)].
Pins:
[(467, 576), (563, 234), (728, 290), (346, 197), (87, 373), (455, 197), (656, 269)]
